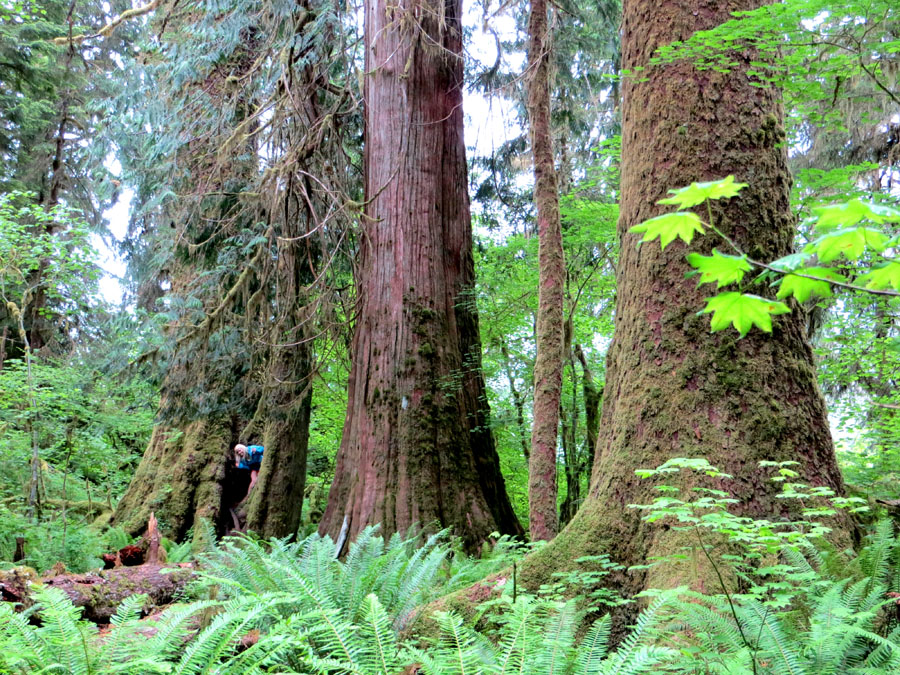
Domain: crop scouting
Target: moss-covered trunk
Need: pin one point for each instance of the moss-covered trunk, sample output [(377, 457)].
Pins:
[(258, 245), (673, 389), (181, 478), (275, 505), (548, 364), (416, 445)]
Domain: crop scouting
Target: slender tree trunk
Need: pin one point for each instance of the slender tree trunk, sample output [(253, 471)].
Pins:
[(416, 446), (592, 398), (673, 389), (548, 365), (572, 456), (518, 400)]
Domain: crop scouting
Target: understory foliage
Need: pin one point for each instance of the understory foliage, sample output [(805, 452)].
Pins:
[(293, 608)]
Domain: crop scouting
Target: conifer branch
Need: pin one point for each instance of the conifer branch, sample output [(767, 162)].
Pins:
[(107, 30)]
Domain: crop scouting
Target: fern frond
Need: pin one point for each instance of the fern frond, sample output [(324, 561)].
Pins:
[(557, 644), (763, 625), (378, 636), (619, 662), (593, 648), (641, 660)]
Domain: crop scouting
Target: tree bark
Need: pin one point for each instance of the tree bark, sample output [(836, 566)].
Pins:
[(276, 503), (548, 365), (181, 477), (673, 389), (416, 445)]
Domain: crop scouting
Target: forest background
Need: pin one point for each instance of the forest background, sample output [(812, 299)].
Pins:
[(234, 132)]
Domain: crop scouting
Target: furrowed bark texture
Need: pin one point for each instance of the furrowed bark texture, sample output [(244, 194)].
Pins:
[(416, 446), (181, 478), (548, 365), (673, 389)]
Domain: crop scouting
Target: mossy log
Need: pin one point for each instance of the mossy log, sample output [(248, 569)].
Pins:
[(99, 593)]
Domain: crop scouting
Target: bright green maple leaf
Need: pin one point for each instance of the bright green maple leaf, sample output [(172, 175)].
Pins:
[(719, 268), (682, 224), (743, 312), (697, 193), (849, 242), (882, 277), (803, 289), (851, 212)]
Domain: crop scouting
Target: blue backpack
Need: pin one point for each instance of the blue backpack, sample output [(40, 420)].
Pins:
[(253, 459)]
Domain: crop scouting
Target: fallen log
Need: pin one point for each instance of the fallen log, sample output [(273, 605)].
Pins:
[(135, 569), (15, 585), (99, 593)]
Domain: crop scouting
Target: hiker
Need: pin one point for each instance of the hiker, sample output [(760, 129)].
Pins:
[(249, 458)]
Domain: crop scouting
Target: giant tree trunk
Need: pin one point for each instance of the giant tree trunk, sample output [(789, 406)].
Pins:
[(181, 478), (673, 389), (416, 445), (268, 304), (548, 364)]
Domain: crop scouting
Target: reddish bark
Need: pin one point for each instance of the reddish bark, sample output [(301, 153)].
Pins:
[(416, 444), (548, 365)]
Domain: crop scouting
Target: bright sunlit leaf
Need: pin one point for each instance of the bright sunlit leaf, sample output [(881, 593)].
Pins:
[(682, 224), (697, 193), (850, 242), (719, 268), (743, 312), (852, 212), (883, 277), (803, 289)]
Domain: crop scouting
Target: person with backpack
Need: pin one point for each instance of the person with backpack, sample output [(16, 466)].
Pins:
[(249, 458)]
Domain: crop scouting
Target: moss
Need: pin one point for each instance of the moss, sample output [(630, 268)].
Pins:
[(426, 351)]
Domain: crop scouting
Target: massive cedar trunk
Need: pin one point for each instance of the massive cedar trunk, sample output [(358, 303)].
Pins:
[(416, 445), (548, 365), (673, 389)]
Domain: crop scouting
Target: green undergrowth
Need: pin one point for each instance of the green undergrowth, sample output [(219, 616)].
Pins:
[(75, 543), (291, 607)]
